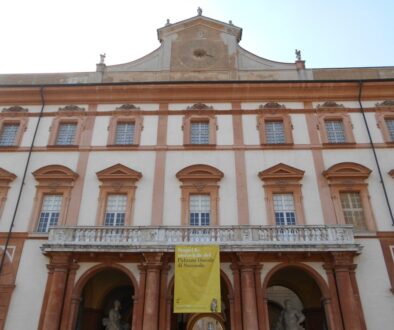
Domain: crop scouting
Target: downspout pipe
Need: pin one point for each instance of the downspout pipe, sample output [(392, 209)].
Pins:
[(360, 88), (3, 256)]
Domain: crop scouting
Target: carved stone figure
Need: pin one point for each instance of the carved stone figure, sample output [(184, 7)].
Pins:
[(290, 318), (102, 58), (199, 11), (113, 322), (298, 54)]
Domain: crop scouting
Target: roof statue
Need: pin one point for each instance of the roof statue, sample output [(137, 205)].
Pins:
[(199, 11), (102, 58), (298, 54)]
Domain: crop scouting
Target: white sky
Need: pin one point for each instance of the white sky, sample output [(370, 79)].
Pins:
[(67, 36)]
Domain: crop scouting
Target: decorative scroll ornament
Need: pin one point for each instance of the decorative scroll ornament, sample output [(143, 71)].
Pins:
[(128, 106), (330, 104), (272, 105), (15, 108), (199, 106), (386, 103), (71, 107)]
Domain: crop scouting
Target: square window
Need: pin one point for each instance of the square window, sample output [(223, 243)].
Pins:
[(199, 210), (335, 131), (125, 133), (66, 134), (284, 209), (8, 134), (390, 128), (352, 209), (50, 212), (274, 132), (115, 212), (199, 132)]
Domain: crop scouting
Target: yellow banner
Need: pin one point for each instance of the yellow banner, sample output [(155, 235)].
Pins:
[(197, 279)]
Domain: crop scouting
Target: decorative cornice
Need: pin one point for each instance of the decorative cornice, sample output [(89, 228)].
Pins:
[(128, 106), (118, 172), (330, 104), (347, 170), (71, 107), (200, 172), (15, 108), (272, 105), (6, 176), (199, 106), (386, 103), (281, 172), (55, 172)]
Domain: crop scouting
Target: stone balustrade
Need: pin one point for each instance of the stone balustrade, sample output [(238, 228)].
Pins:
[(230, 238)]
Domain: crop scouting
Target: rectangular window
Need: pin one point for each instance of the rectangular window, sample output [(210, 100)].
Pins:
[(390, 128), (274, 132), (199, 132), (335, 131), (8, 134), (353, 209), (199, 210), (284, 209), (50, 212), (125, 133), (116, 210), (66, 134)]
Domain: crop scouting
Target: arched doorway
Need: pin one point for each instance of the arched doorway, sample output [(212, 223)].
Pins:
[(98, 296), (209, 321), (295, 288)]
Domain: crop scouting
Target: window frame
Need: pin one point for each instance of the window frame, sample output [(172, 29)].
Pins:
[(381, 117), (106, 210), (41, 211), (117, 180), (199, 180), (136, 119), (52, 180), (54, 130), (350, 177), (283, 179), (22, 122), (5, 180), (206, 116), (285, 118), (347, 127)]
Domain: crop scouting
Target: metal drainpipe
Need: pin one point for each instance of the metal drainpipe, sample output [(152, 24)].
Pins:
[(3, 256), (360, 84)]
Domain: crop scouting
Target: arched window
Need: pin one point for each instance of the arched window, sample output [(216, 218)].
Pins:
[(55, 183), (349, 193), (200, 195)]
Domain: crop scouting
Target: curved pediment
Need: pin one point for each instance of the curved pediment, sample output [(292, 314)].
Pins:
[(199, 172), (6, 176), (347, 170), (55, 172), (281, 172), (118, 172)]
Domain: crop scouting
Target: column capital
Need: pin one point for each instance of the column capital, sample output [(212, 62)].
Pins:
[(247, 260), (153, 259), (343, 260)]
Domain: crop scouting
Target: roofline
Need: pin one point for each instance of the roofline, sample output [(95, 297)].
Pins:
[(203, 82)]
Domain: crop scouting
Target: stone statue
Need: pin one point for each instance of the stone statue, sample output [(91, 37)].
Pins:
[(298, 54), (290, 318), (199, 11), (113, 321), (214, 305), (102, 58)]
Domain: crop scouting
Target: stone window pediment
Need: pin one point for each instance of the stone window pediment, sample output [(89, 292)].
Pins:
[(118, 172), (199, 173), (347, 170), (5, 179), (55, 172), (281, 172)]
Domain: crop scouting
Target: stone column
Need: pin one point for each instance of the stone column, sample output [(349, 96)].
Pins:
[(163, 292), (139, 300), (343, 262), (247, 263), (153, 266), (68, 305), (237, 311), (59, 266)]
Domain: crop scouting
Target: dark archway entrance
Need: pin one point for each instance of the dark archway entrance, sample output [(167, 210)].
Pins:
[(98, 297), (297, 286)]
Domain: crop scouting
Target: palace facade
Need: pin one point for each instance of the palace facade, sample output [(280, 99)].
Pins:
[(289, 170)]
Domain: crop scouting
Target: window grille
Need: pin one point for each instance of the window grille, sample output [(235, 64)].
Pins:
[(284, 209), (8, 134), (50, 212), (66, 134), (125, 133), (116, 210), (274, 132), (335, 131), (199, 133)]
